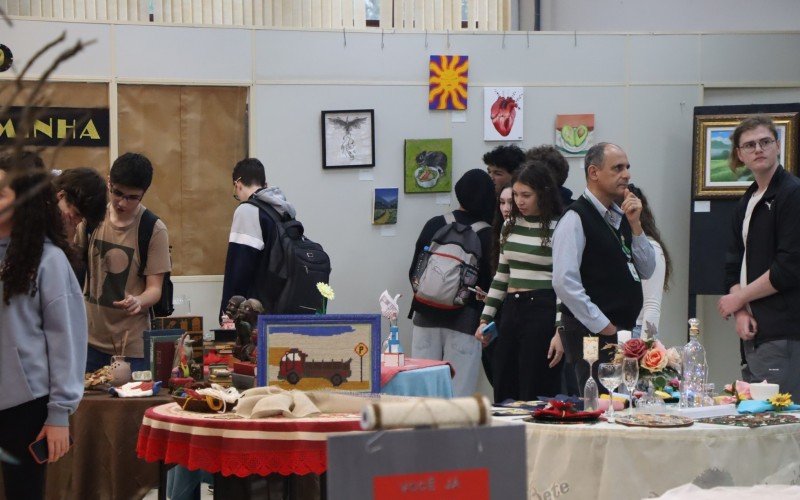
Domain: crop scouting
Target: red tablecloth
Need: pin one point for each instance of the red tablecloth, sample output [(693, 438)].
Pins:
[(236, 446)]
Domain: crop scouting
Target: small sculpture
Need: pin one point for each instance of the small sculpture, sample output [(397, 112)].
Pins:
[(246, 318)]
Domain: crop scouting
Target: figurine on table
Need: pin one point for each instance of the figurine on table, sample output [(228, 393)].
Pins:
[(246, 319), (228, 320)]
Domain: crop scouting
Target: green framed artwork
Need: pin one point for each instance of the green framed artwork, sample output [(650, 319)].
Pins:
[(712, 176), (428, 165)]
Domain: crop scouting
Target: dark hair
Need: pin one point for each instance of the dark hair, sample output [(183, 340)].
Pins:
[(648, 221), (497, 228), (746, 125), (509, 158), (537, 176), (251, 172), (86, 189), (595, 156), (132, 170), (554, 160), (36, 216)]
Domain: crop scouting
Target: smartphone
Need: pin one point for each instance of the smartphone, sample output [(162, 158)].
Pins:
[(490, 332), (38, 450)]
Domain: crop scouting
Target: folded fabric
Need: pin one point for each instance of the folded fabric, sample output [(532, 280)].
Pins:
[(136, 389), (262, 402), (756, 406), (575, 401)]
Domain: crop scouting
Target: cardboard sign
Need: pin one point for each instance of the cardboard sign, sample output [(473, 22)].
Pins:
[(476, 463), (464, 484)]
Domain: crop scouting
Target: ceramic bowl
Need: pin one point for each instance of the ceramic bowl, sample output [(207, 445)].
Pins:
[(428, 183)]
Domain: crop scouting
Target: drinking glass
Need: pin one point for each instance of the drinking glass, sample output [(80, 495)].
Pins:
[(630, 376), (610, 376)]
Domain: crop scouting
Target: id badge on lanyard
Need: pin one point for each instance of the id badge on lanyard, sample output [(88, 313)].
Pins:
[(629, 256)]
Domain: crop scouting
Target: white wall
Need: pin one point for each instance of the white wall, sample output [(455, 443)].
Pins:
[(662, 15), (642, 89)]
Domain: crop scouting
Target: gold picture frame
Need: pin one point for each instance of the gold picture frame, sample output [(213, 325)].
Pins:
[(711, 176)]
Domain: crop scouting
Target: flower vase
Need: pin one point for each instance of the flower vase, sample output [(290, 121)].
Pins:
[(120, 371)]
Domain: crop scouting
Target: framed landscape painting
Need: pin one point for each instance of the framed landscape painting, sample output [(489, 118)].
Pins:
[(320, 351), (348, 138), (712, 175)]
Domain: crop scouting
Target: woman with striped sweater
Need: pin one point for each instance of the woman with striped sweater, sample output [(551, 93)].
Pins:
[(527, 356)]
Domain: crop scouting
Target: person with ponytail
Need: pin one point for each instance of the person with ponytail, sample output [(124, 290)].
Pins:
[(528, 352), (43, 332)]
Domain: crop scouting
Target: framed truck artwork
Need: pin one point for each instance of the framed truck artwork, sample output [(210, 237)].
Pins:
[(319, 351)]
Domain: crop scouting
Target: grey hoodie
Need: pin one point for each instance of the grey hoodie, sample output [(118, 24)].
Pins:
[(43, 339), (275, 197)]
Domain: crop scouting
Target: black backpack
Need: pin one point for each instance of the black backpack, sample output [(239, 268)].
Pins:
[(164, 306), (287, 277)]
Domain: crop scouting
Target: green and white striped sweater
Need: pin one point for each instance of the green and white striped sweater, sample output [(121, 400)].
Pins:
[(525, 264)]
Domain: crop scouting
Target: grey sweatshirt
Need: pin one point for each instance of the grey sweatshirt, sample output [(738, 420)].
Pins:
[(43, 339)]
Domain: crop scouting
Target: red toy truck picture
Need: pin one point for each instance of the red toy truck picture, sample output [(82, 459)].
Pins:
[(294, 366)]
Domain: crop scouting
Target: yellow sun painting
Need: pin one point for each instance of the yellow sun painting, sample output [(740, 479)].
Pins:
[(447, 87)]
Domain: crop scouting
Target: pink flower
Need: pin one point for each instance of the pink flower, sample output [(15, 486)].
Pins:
[(674, 382), (655, 360), (634, 348)]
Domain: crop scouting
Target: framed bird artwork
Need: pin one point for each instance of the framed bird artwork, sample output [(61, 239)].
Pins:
[(348, 138)]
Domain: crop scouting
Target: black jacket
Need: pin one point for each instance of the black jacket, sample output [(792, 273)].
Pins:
[(773, 244)]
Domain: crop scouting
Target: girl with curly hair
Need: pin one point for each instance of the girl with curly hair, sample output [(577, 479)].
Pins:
[(43, 332), (527, 355)]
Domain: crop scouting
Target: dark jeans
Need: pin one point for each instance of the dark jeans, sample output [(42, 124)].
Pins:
[(19, 427), (520, 361), (487, 354), (97, 359), (572, 338)]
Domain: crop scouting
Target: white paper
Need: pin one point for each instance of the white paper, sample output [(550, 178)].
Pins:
[(458, 116), (702, 206), (365, 174), (388, 231), (443, 199)]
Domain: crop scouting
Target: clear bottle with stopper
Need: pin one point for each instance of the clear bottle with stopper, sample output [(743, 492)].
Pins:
[(694, 369)]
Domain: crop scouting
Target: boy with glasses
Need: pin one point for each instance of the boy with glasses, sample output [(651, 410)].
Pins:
[(118, 293), (762, 268)]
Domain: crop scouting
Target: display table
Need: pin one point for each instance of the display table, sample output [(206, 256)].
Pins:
[(231, 445), (103, 463), (609, 461), (433, 381)]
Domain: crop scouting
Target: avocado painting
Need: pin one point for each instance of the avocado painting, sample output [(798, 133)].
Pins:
[(428, 165), (574, 134)]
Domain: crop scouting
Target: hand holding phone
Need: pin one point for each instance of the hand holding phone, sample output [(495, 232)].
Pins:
[(40, 452), (489, 332)]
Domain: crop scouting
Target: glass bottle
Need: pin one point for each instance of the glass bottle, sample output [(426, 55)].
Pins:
[(694, 369)]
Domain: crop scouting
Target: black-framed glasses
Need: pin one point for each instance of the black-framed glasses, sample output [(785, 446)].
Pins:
[(122, 196), (236, 195), (750, 146)]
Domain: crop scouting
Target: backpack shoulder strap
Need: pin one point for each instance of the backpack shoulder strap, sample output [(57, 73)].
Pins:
[(479, 226), (146, 225), (449, 218), (284, 223)]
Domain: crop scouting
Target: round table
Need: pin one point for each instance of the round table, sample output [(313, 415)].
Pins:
[(235, 446), (610, 461)]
